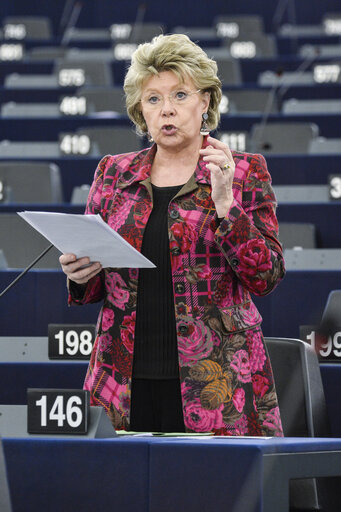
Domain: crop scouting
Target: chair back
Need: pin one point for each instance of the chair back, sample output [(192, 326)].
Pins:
[(31, 182), (21, 244), (303, 410)]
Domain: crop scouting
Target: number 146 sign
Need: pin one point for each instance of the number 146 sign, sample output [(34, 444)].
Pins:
[(58, 411)]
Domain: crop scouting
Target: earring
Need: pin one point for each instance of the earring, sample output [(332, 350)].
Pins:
[(204, 128), (149, 137)]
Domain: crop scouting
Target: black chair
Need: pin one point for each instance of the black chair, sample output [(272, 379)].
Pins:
[(27, 27), (93, 73), (21, 244), (297, 234), (5, 503), (233, 26), (332, 310), (3, 261), (111, 140), (99, 99), (250, 101), (304, 414), (31, 182), (331, 316), (282, 138)]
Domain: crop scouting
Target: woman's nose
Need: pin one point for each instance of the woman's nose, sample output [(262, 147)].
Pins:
[(167, 106)]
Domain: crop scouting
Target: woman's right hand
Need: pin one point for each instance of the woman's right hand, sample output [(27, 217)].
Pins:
[(79, 270)]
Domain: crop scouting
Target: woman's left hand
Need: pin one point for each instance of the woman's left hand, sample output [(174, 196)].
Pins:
[(221, 164)]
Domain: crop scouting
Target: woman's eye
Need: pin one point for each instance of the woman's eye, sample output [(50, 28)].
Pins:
[(181, 95), (153, 99)]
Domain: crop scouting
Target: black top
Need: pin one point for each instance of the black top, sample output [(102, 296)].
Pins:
[(155, 350)]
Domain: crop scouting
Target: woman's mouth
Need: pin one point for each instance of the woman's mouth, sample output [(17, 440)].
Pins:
[(169, 129)]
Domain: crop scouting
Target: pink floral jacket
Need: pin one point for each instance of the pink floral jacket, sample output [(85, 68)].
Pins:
[(226, 378)]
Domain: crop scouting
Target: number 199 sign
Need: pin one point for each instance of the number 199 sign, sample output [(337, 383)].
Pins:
[(70, 341), (327, 348)]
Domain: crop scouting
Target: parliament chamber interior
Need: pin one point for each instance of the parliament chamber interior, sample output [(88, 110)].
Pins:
[(62, 108)]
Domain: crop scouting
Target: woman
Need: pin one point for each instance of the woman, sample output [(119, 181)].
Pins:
[(180, 347)]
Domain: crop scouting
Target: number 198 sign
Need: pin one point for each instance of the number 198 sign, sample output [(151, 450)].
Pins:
[(70, 341)]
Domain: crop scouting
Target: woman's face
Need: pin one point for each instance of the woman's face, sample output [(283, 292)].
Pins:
[(173, 110)]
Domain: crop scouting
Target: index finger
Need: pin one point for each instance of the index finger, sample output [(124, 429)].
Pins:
[(218, 143), (67, 258)]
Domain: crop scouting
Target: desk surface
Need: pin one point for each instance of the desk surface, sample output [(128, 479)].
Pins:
[(152, 474)]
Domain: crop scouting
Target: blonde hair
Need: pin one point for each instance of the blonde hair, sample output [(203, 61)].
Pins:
[(175, 53)]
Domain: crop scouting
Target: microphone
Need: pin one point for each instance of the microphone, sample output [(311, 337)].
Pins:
[(71, 23), (279, 90), (26, 270), (135, 32), (68, 6)]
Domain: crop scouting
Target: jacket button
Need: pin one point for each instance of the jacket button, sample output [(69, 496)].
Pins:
[(183, 329), (234, 262), (176, 251), (179, 288), (174, 214)]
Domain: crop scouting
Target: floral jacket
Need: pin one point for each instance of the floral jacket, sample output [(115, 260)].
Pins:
[(226, 378)]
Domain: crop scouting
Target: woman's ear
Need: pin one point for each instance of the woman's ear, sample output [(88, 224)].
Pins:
[(206, 97)]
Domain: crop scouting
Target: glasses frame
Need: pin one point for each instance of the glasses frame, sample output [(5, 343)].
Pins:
[(171, 98)]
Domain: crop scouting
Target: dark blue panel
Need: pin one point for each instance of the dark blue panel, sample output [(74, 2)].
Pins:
[(302, 169), (325, 216), (49, 129), (200, 477), (290, 45), (285, 170), (38, 299), (15, 378), (298, 300), (331, 377), (77, 475), (60, 207)]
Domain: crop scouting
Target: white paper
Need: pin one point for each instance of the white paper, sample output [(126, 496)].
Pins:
[(86, 235)]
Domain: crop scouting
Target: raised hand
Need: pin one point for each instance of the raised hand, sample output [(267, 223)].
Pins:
[(221, 164)]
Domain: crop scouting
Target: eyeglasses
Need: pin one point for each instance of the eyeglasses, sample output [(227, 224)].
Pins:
[(154, 101)]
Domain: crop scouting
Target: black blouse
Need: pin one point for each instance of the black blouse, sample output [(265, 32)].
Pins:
[(155, 348)]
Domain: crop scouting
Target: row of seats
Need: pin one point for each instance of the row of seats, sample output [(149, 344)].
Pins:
[(289, 111), (270, 139), (40, 182), (19, 28), (312, 247), (93, 100), (20, 243), (102, 67)]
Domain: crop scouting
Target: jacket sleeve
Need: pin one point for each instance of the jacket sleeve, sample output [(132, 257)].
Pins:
[(248, 234), (94, 290)]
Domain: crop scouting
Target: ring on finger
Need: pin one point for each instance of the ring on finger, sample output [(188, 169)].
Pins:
[(225, 166)]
